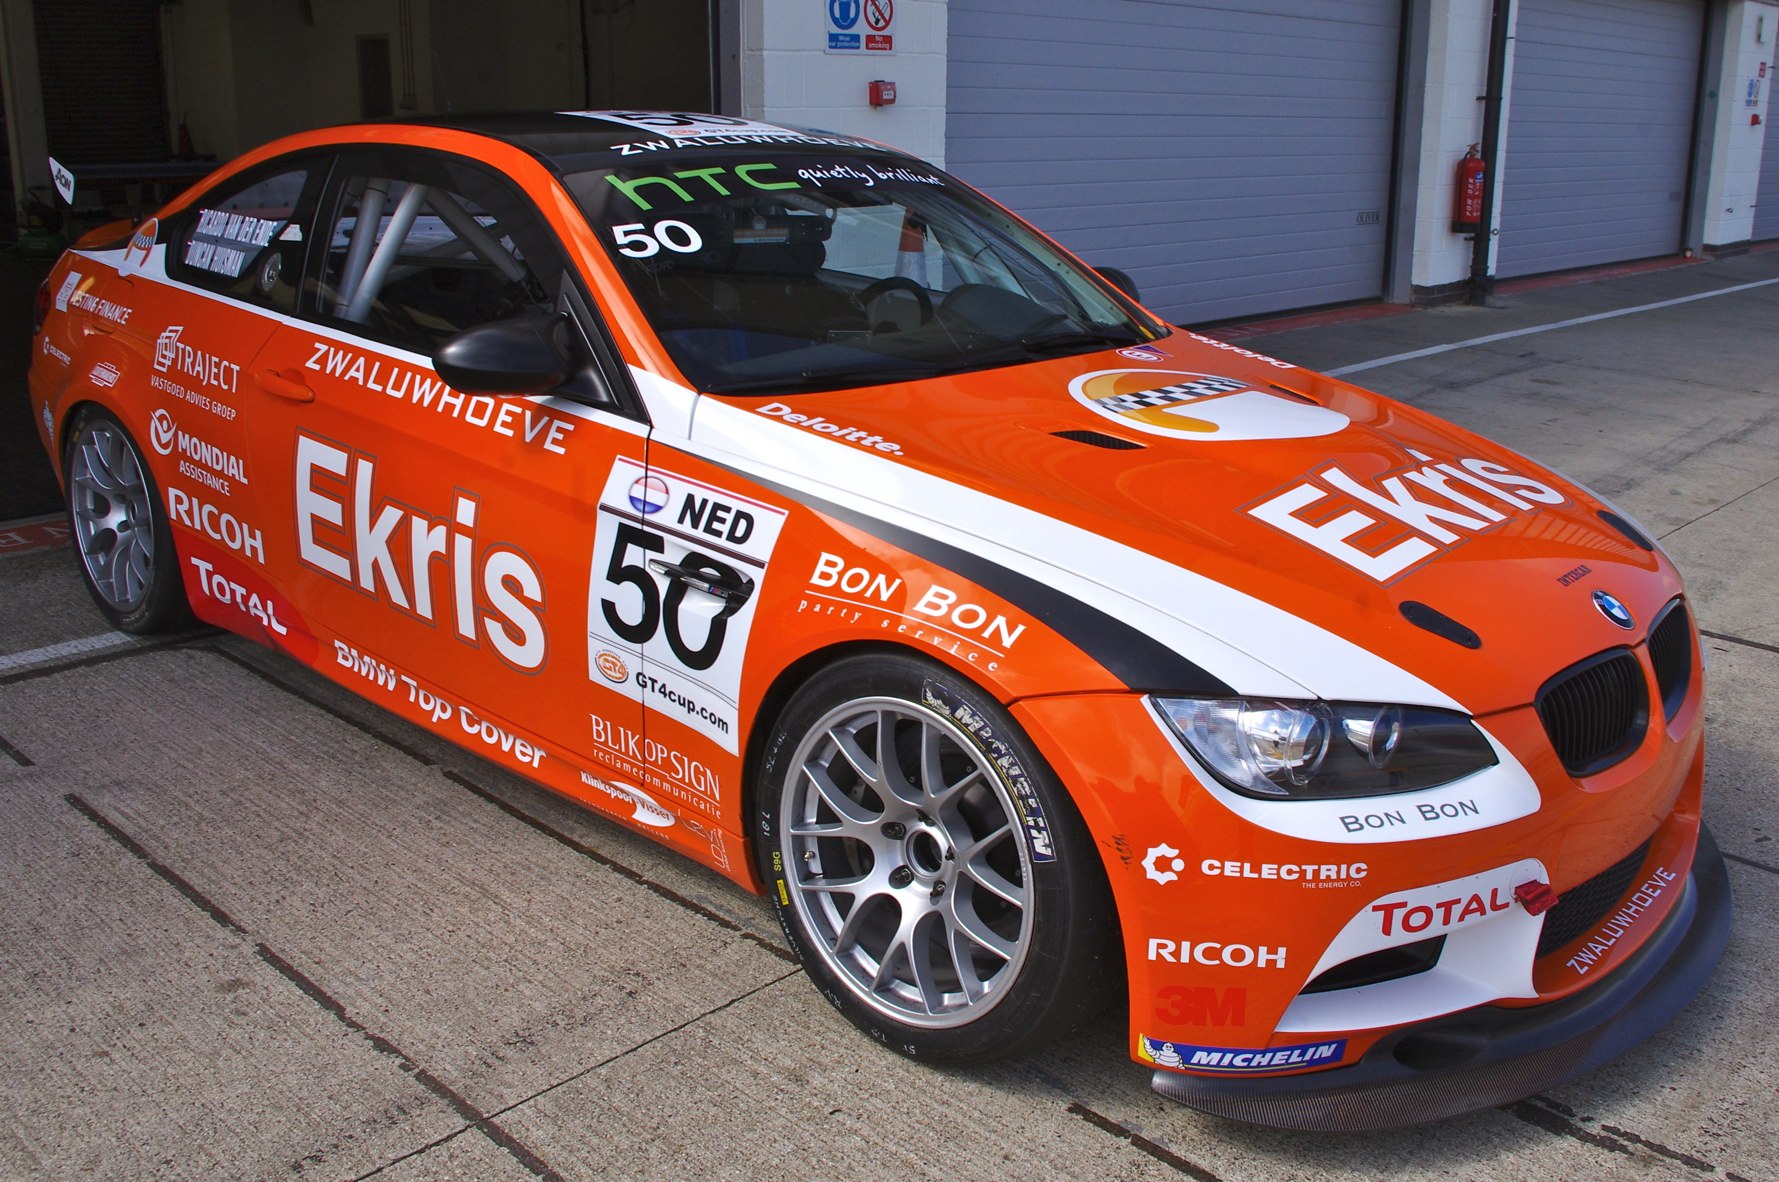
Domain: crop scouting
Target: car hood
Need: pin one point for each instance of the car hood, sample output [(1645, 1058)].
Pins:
[(1463, 564)]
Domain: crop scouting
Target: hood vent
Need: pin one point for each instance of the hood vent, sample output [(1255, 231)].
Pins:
[(1626, 528), (1099, 439), (1438, 623)]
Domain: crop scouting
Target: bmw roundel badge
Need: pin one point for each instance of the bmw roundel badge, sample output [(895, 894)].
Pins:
[(1613, 610)]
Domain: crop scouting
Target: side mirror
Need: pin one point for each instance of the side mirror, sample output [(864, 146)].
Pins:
[(518, 356), (1121, 280)]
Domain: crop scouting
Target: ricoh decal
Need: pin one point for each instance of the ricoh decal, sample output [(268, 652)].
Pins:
[(199, 460), (659, 765), (215, 523), (913, 609), (1177, 1056), (939, 698), (1385, 526), (821, 426), (1620, 922), (516, 418), (434, 567), (642, 807), (262, 608), (677, 566), (188, 373), (1199, 406), (1211, 953), (435, 707)]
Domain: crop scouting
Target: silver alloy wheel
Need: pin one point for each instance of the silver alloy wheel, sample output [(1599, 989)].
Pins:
[(113, 515), (907, 862)]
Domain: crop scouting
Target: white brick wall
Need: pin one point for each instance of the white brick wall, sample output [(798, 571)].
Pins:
[(1751, 30), (787, 77)]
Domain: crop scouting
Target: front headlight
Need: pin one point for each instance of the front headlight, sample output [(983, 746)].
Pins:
[(1326, 750)]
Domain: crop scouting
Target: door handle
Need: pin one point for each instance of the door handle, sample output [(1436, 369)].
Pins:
[(731, 586), (273, 382)]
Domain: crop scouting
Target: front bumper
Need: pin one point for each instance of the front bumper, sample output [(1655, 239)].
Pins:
[(1491, 1055)]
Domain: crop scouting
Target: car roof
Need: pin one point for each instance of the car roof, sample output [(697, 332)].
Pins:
[(574, 141)]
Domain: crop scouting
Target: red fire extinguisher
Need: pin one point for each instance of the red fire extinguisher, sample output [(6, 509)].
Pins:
[(1467, 200)]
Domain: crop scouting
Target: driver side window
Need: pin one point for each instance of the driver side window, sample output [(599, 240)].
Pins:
[(421, 248)]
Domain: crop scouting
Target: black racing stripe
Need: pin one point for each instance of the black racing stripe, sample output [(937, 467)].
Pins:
[(1140, 662)]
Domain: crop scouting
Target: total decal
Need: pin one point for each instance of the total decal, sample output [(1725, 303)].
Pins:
[(516, 418), (230, 593), (935, 615), (345, 530), (1199, 406), (677, 567), (435, 708), (1385, 526), (190, 374), (199, 460), (1177, 1056)]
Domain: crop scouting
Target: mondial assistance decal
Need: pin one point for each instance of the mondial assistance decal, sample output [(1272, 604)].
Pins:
[(1203, 406), (651, 634)]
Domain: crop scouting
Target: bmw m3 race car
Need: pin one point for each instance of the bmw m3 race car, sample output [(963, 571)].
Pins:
[(776, 494)]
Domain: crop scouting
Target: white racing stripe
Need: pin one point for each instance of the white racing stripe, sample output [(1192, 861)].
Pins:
[(1258, 649), (67, 648), (1473, 342)]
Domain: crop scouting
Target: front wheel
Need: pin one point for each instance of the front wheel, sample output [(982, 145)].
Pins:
[(927, 866), (124, 541)]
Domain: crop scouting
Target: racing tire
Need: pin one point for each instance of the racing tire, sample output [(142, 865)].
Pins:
[(927, 866), (123, 539)]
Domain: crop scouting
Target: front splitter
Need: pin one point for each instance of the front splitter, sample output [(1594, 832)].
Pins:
[(1489, 1056)]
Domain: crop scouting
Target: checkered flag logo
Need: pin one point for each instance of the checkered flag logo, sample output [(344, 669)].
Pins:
[(1168, 395)]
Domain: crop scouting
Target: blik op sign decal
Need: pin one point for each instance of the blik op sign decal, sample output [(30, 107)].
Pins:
[(1199, 406)]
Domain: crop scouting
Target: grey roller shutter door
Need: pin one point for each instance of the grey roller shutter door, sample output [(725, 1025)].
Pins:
[(1766, 201), (1235, 159), (1599, 132)]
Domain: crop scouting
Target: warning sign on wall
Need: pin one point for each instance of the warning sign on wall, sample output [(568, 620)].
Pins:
[(861, 26)]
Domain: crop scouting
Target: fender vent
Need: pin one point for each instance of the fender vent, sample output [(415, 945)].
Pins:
[(1438, 623), (1097, 439), (1626, 528)]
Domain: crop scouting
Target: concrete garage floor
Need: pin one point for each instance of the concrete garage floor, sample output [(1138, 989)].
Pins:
[(251, 927)]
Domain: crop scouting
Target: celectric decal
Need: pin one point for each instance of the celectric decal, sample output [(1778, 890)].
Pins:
[(940, 698), (516, 418), (821, 426), (1622, 920), (677, 567), (1238, 1060), (1199, 406), (1310, 874), (344, 532), (1382, 526)]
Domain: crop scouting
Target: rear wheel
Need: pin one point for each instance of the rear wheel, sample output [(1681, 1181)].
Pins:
[(125, 544), (926, 865)]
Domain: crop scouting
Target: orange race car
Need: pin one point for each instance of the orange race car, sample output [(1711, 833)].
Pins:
[(782, 497)]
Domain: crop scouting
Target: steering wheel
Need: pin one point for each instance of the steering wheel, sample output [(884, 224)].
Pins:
[(898, 283)]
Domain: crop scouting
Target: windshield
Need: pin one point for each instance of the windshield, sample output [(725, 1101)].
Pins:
[(783, 271)]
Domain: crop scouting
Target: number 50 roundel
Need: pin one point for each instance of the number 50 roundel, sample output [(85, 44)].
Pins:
[(677, 567)]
